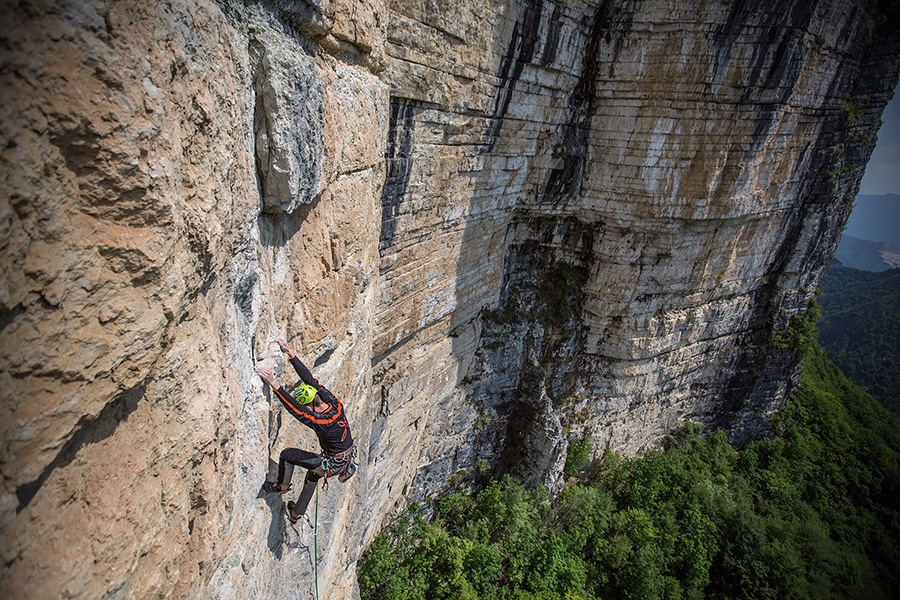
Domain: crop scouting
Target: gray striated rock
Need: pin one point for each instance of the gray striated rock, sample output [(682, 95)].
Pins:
[(289, 122), (490, 228)]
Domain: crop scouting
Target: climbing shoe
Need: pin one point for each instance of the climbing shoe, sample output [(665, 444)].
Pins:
[(278, 488), (290, 507)]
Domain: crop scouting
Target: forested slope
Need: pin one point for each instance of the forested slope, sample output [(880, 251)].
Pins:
[(860, 328), (810, 512)]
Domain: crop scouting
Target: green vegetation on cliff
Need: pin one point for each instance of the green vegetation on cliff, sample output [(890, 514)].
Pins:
[(811, 512)]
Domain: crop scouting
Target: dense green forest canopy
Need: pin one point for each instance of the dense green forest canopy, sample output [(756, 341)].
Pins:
[(810, 512), (860, 328)]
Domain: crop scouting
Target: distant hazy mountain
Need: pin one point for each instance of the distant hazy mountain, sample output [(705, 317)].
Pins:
[(876, 218), (860, 328), (867, 256)]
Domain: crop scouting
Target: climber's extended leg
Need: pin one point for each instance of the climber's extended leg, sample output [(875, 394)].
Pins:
[(309, 487), (298, 509)]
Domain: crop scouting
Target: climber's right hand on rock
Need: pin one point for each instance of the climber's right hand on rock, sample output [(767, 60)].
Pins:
[(267, 376)]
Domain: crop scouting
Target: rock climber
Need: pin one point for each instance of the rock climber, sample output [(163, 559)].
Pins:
[(316, 407)]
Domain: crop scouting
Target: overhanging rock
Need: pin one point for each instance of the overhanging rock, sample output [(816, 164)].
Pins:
[(289, 125)]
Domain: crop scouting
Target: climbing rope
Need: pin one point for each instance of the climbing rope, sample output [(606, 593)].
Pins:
[(316, 543)]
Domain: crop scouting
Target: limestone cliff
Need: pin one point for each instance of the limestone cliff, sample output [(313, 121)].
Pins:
[(490, 228)]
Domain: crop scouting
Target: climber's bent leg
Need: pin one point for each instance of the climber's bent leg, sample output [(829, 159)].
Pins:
[(295, 456)]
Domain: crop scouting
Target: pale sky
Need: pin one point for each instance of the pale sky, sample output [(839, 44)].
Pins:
[(883, 170)]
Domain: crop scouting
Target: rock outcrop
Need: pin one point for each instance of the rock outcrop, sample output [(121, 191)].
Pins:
[(490, 228)]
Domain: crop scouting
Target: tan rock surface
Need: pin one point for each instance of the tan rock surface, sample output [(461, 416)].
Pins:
[(489, 228)]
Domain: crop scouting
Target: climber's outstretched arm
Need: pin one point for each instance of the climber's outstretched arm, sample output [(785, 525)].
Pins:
[(283, 395), (302, 370)]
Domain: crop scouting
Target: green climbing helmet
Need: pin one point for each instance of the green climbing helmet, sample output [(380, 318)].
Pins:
[(305, 394)]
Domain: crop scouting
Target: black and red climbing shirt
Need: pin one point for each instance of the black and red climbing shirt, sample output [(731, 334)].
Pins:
[(331, 426)]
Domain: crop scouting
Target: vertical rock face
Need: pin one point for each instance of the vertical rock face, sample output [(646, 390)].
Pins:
[(490, 228)]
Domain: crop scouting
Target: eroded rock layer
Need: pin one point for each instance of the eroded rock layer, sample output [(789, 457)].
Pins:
[(490, 227)]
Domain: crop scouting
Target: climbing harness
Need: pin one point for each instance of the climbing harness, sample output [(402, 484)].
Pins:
[(341, 464)]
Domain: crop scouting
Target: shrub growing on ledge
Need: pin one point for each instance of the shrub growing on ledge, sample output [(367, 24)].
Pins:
[(802, 333), (811, 512)]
